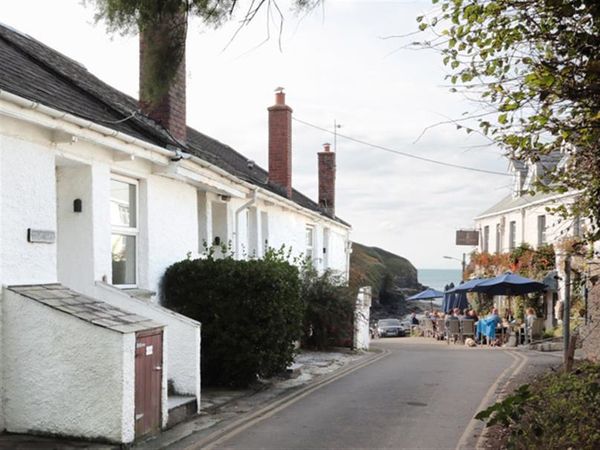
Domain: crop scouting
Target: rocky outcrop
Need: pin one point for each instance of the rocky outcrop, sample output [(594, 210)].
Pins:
[(392, 277)]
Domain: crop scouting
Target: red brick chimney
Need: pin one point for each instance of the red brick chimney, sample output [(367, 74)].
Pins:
[(169, 110), (280, 143), (327, 180)]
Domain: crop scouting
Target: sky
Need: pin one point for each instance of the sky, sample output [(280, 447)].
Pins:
[(342, 63)]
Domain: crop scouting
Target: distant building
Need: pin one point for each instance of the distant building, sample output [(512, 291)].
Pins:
[(523, 218)]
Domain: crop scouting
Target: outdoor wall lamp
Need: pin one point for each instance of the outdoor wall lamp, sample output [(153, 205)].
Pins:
[(77, 207)]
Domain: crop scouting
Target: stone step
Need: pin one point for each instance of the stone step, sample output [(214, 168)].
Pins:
[(181, 407)]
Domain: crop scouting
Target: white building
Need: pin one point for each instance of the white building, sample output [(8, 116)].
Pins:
[(522, 218), (97, 199)]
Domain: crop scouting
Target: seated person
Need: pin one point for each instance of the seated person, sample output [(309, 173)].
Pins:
[(413, 319), (487, 326)]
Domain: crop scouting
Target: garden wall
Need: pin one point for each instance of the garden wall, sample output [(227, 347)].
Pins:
[(590, 333)]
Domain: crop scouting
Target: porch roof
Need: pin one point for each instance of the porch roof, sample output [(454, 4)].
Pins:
[(36, 72), (91, 310)]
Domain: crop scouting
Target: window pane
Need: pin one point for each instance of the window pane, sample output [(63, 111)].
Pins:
[(309, 237), (123, 259), (122, 204)]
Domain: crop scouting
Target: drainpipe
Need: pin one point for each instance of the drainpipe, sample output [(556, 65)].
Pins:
[(238, 211)]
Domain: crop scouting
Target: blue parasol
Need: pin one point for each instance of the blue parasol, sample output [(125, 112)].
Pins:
[(509, 284)]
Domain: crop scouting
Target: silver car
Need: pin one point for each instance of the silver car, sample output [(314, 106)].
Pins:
[(389, 327)]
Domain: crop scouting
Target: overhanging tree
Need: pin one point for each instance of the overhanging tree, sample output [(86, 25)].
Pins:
[(534, 66), (170, 18)]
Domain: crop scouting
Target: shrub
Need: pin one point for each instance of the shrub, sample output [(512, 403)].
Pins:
[(329, 306), (557, 411), (250, 311)]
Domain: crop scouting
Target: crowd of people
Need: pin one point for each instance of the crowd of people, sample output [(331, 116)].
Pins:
[(485, 328)]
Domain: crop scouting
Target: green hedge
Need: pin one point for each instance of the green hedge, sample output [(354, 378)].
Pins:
[(329, 303), (251, 314)]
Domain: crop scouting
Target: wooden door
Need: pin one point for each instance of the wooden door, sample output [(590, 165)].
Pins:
[(148, 381)]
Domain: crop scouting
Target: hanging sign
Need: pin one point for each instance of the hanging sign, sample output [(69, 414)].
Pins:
[(467, 237)]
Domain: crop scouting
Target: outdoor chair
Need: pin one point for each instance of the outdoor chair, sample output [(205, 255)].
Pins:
[(453, 330), (429, 331), (536, 330), (467, 329), (440, 329)]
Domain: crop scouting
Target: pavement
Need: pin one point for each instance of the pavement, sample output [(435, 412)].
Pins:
[(409, 374)]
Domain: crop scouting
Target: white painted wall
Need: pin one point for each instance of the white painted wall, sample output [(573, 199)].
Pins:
[(362, 308), (65, 376), (75, 238), (182, 345), (526, 219), (28, 201), (172, 226)]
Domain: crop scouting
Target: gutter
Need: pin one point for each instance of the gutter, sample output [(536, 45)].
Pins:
[(130, 140), (526, 205)]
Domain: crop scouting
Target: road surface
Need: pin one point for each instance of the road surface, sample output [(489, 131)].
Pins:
[(421, 396)]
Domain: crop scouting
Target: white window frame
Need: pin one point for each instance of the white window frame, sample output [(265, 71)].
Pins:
[(486, 239), (128, 231), (310, 247), (512, 235), (542, 237)]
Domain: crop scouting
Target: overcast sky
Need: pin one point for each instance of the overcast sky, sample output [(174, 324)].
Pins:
[(335, 64)]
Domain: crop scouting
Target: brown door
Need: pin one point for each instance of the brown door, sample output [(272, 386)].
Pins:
[(148, 380)]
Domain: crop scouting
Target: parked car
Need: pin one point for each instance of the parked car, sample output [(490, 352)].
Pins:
[(390, 327)]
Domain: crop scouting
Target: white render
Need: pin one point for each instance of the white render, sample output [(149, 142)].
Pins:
[(182, 343), (362, 309), (47, 160), (526, 220), (58, 384)]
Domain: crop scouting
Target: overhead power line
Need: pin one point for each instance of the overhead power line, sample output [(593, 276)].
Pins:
[(401, 153)]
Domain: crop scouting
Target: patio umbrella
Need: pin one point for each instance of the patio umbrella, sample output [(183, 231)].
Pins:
[(469, 286), (461, 301), (508, 284), (427, 294), (449, 298)]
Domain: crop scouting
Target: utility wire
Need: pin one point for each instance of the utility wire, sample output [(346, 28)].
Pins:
[(401, 153)]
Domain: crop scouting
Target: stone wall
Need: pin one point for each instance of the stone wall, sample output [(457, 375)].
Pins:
[(590, 333)]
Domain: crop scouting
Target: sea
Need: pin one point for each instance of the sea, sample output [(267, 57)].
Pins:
[(439, 278)]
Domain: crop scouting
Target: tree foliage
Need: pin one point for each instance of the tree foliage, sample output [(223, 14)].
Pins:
[(534, 66), (168, 19), (329, 309)]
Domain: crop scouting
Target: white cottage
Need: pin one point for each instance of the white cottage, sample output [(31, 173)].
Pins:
[(97, 199), (522, 218)]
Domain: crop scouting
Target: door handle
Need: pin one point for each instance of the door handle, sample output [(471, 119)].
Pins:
[(158, 368)]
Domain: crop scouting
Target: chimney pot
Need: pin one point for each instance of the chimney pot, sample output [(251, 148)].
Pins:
[(326, 147)]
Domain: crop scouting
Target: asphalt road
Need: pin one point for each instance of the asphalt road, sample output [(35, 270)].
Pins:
[(420, 396)]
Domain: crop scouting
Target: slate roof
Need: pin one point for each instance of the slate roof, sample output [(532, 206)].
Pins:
[(36, 72), (94, 311), (510, 202)]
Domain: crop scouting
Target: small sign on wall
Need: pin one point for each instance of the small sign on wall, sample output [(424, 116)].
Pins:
[(149, 350), (41, 236)]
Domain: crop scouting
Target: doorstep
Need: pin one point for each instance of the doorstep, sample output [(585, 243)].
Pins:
[(181, 407)]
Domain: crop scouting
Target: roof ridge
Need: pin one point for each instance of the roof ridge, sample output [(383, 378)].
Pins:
[(113, 104)]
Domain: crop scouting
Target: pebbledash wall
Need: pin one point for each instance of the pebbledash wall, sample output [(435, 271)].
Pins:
[(63, 375), (47, 162)]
